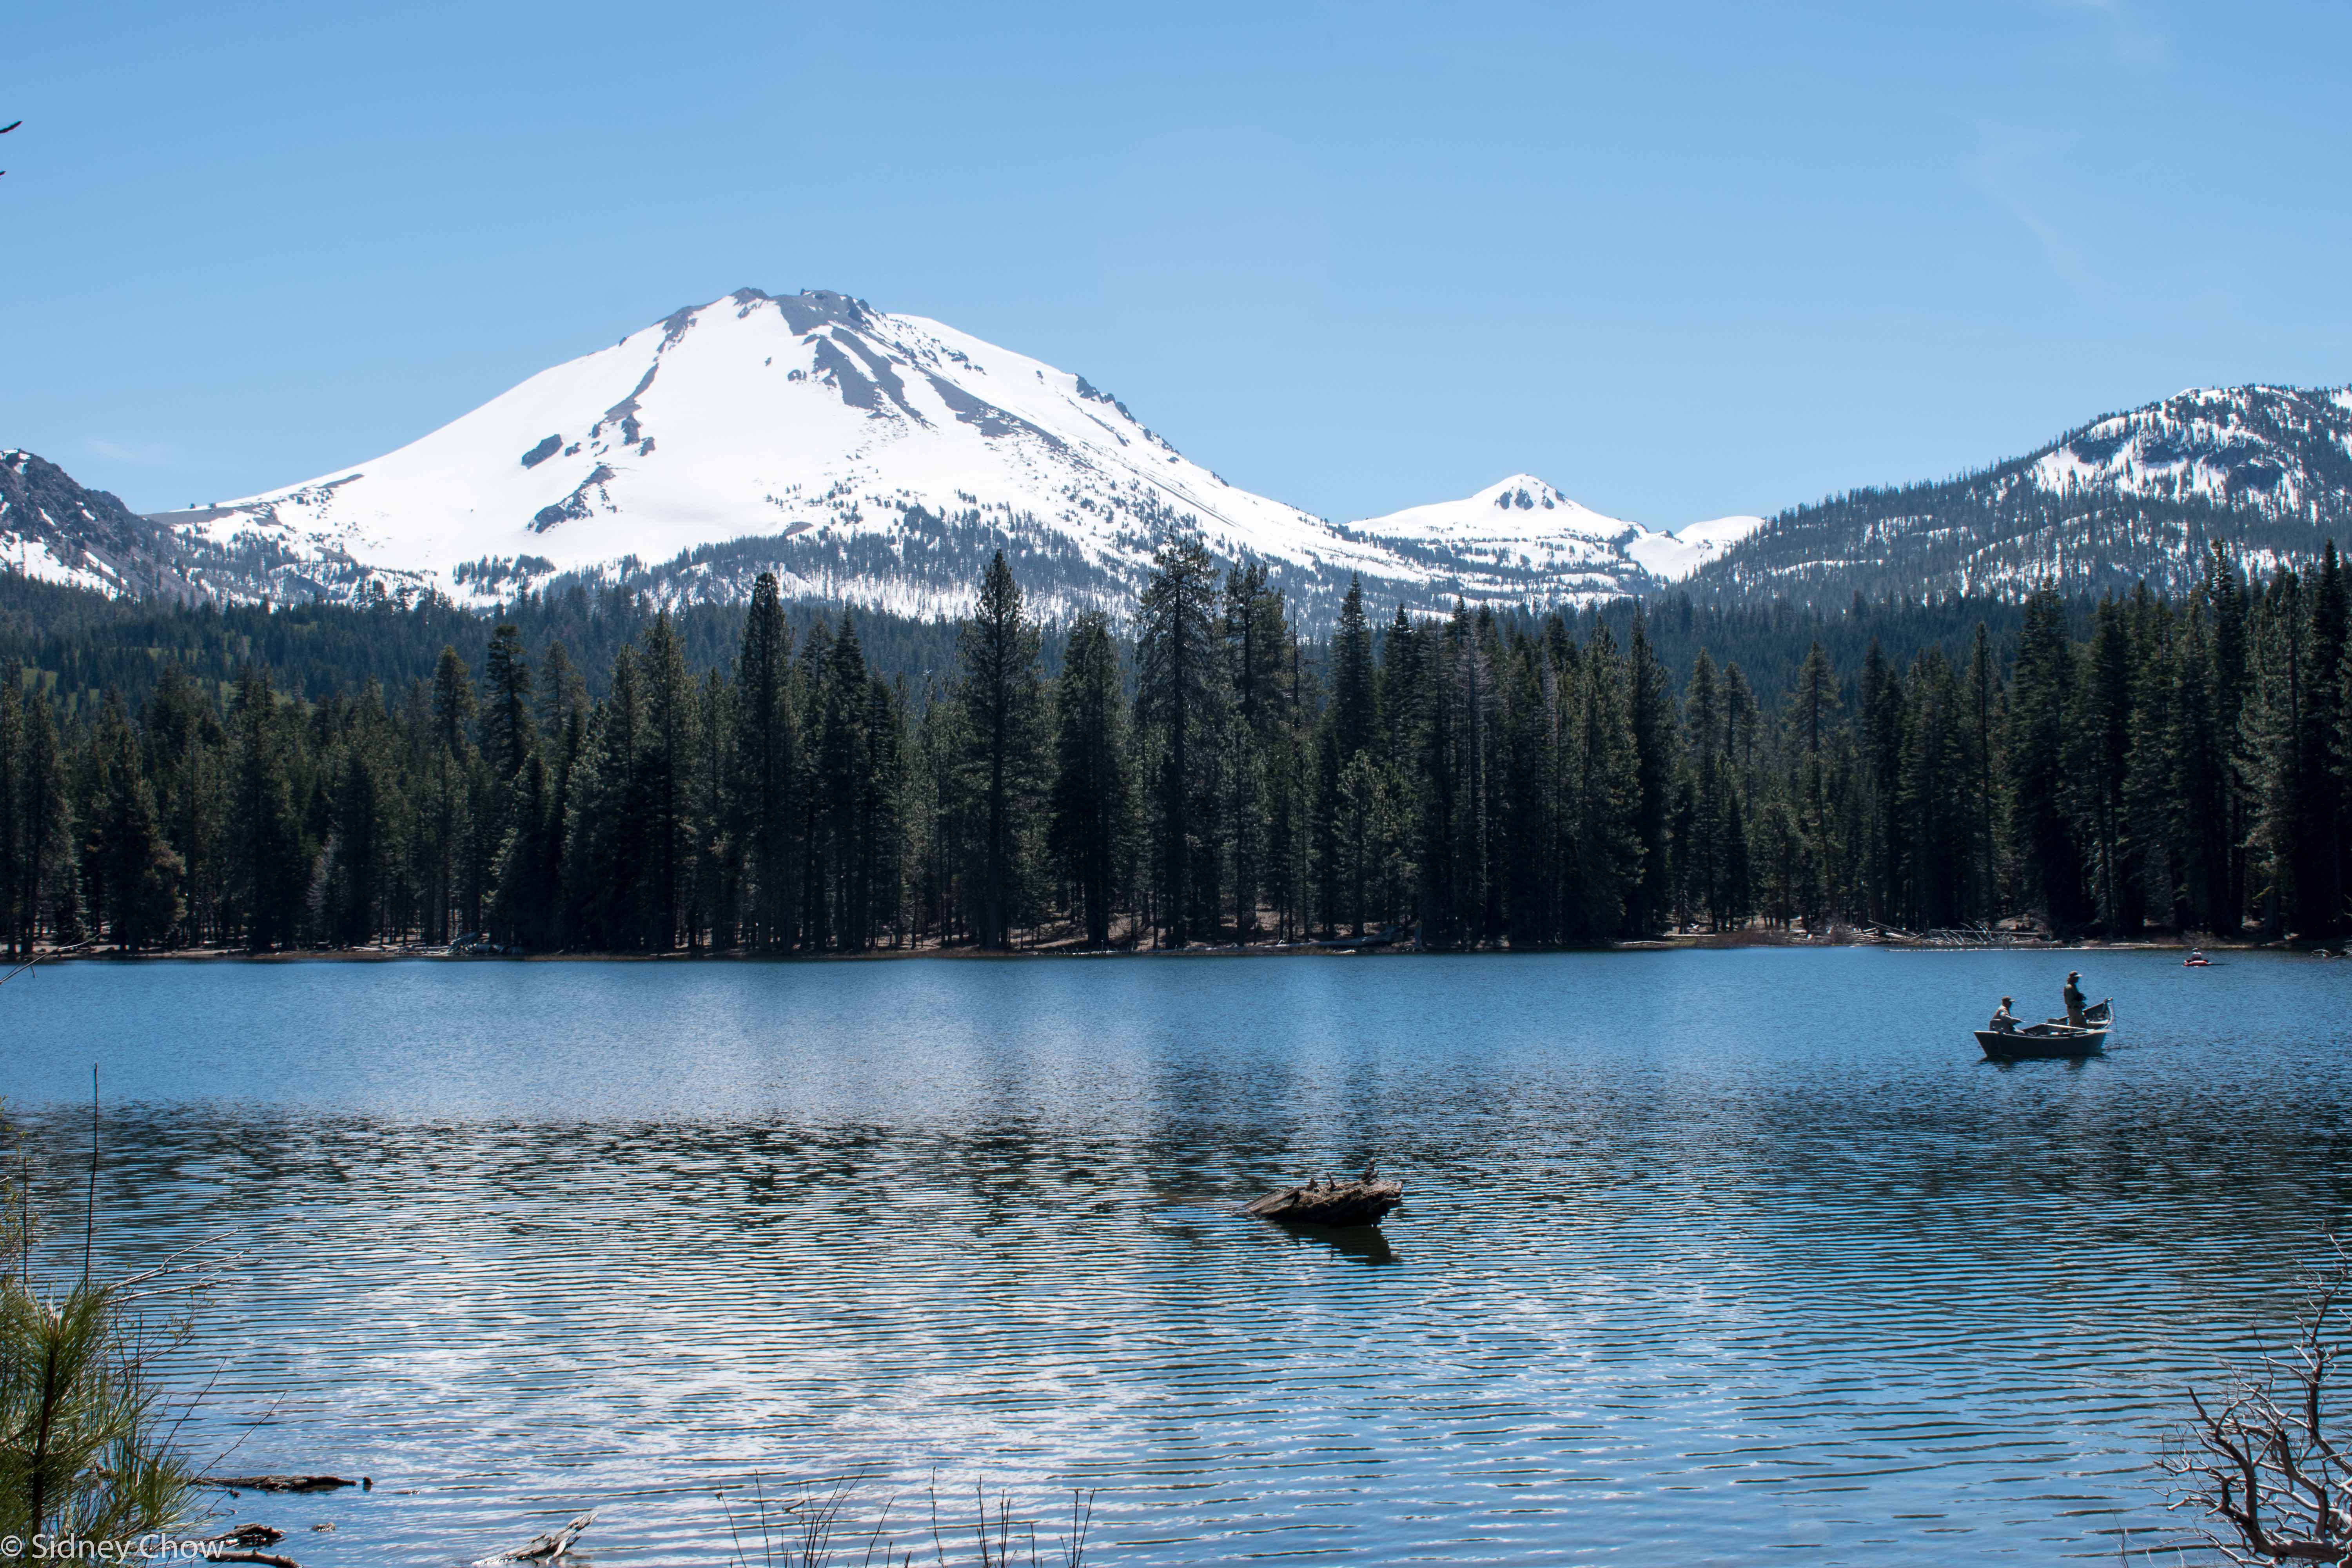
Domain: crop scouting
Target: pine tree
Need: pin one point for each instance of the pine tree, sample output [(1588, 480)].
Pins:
[(2041, 693), (1003, 705), (2102, 727), (668, 764), (1258, 655), (1527, 837), (268, 868), (132, 876), (509, 735), (449, 754), (1178, 699), (1881, 743), (768, 748), (844, 757), (363, 839), (1607, 828), (2198, 804), (16, 934), (530, 880), (183, 744), (1093, 793), (1650, 709), (2231, 686), (2151, 847), (1812, 710), (1982, 805), (2319, 757), (1933, 829), (606, 903)]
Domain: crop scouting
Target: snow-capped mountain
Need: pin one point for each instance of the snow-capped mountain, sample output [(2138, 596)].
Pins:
[(2266, 470), (880, 459), (1521, 540), (863, 456)]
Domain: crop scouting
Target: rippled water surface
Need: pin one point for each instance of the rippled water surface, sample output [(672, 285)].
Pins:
[(1707, 1257)]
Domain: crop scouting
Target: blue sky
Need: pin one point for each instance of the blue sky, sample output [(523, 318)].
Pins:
[(1680, 260)]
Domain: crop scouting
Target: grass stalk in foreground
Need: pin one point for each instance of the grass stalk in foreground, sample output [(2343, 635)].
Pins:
[(804, 1524)]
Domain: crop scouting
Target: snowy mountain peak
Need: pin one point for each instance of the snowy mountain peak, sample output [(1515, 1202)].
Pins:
[(862, 455), (811, 421), (1524, 492), (1522, 529)]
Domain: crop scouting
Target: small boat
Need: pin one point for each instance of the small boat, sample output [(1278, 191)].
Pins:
[(2196, 961), (2055, 1040), (1364, 1201)]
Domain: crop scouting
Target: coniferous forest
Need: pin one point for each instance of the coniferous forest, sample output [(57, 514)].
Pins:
[(1196, 771)]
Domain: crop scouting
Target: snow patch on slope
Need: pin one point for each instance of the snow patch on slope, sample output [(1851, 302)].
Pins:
[(1674, 556)]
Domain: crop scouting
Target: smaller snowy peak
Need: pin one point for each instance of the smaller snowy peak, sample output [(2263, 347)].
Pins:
[(1525, 525), (1521, 509)]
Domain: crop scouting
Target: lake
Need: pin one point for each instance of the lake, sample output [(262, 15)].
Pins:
[(1707, 1257)]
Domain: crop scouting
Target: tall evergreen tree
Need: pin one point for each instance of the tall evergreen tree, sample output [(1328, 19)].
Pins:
[(268, 864), (606, 903), (768, 749), (666, 765), (2044, 689), (1003, 705), (1178, 699), (1093, 794), (132, 877), (1650, 709)]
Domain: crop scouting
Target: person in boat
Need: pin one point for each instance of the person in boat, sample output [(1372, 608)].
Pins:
[(2074, 1000), (2004, 1022)]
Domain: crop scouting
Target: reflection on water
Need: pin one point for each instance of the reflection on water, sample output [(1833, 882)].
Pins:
[(1704, 1257), (1366, 1242)]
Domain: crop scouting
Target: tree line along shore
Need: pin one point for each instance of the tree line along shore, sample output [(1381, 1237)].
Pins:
[(1197, 772)]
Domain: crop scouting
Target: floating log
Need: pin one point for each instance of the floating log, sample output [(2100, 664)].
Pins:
[(281, 1483), (248, 1536), (541, 1548), (1366, 1200)]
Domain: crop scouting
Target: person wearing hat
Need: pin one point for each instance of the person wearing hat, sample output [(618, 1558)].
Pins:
[(2004, 1022), (2074, 1000)]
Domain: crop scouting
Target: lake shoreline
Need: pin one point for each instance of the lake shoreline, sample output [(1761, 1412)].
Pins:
[(1695, 942)]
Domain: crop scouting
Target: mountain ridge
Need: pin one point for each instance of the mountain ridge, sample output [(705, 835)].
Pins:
[(2140, 494), (861, 455), (877, 459)]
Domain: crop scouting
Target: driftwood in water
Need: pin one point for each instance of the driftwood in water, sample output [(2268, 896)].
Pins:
[(243, 1544), (542, 1548), (1364, 1201), (281, 1483), (247, 1536)]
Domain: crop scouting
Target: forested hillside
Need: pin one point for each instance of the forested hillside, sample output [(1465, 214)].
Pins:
[(79, 643), (2264, 472), (596, 776)]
